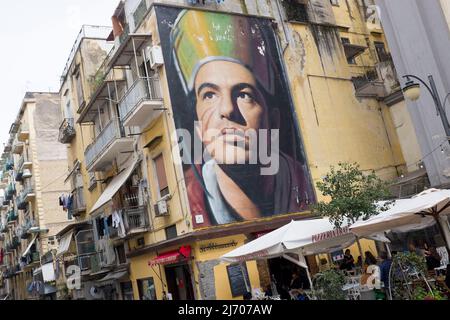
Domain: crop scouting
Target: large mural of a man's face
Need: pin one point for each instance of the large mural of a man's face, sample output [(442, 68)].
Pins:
[(228, 92)]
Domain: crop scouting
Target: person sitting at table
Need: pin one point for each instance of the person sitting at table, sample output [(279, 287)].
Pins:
[(370, 259), (359, 263), (364, 276), (348, 263), (433, 258)]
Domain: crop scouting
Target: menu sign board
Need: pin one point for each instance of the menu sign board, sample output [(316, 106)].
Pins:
[(239, 280)]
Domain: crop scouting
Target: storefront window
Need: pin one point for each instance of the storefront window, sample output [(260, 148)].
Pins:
[(147, 289), (127, 290)]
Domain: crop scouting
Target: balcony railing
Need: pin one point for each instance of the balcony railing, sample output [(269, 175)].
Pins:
[(66, 131), (111, 132), (78, 203), (28, 192), (87, 31), (21, 203), (12, 216), (10, 191), (144, 89), (135, 220)]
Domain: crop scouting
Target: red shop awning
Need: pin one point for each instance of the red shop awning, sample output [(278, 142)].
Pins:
[(171, 257)]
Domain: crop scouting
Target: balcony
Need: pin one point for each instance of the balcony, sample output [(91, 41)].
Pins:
[(12, 216), (66, 131), (142, 103), (29, 223), (17, 147), (28, 193), (135, 220), (10, 191), (87, 31), (4, 228), (378, 82), (21, 203), (109, 143), (78, 203), (24, 133)]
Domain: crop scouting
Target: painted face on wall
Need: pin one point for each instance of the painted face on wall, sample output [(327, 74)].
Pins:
[(230, 101), (230, 109)]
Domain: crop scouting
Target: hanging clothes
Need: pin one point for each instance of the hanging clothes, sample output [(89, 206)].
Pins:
[(69, 202), (118, 223), (105, 226)]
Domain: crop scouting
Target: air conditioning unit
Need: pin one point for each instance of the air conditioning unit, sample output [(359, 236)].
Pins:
[(155, 56), (161, 208)]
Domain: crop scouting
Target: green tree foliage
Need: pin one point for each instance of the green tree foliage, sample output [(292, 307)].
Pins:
[(354, 194), (328, 285)]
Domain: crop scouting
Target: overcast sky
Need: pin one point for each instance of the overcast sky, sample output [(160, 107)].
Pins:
[(36, 39)]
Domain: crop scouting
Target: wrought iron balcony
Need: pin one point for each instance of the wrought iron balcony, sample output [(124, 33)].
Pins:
[(10, 191), (108, 144), (21, 203), (66, 131), (12, 216), (135, 221), (142, 103)]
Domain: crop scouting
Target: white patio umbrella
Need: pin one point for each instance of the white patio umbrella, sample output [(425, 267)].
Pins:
[(415, 213), (304, 237)]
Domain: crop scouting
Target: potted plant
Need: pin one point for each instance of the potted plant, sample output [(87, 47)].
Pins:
[(421, 294), (328, 285)]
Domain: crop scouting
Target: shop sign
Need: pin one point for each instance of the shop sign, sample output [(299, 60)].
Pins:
[(330, 234), (213, 246)]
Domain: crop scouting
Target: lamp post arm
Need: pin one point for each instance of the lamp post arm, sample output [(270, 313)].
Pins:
[(423, 82), (445, 100)]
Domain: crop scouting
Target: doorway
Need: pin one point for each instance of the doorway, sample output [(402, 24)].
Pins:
[(179, 282)]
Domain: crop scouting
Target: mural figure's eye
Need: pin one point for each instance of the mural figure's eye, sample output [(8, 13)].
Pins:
[(209, 95), (246, 97)]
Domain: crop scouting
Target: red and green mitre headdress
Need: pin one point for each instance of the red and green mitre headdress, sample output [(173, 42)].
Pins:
[(199, 37)]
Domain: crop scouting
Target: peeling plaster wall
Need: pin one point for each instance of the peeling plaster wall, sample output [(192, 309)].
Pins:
[(320, 11), (49, 165)]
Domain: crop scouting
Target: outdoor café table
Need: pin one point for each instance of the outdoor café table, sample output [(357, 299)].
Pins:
[(349, 286)]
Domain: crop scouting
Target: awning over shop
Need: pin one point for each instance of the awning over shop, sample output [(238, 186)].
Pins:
[(171, 256), (116, 183), (29, 245), (64, 244), (113, 276)]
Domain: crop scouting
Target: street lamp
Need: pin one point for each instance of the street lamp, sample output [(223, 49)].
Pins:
[(412, 92)]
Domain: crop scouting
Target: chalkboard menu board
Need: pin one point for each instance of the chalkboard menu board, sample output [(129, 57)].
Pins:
[(236, 274)]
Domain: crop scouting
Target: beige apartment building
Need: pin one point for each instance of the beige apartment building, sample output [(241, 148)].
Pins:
[(33, 171)]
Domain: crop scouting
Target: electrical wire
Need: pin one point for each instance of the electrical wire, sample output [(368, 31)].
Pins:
[(440, 146)]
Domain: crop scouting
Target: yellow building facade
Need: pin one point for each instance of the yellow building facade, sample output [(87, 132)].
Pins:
[(336, 70)]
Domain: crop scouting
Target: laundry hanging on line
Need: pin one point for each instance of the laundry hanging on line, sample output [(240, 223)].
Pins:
[(66, 201)]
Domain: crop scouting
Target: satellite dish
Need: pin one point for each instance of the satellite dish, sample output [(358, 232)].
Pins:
[(95, 292)]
